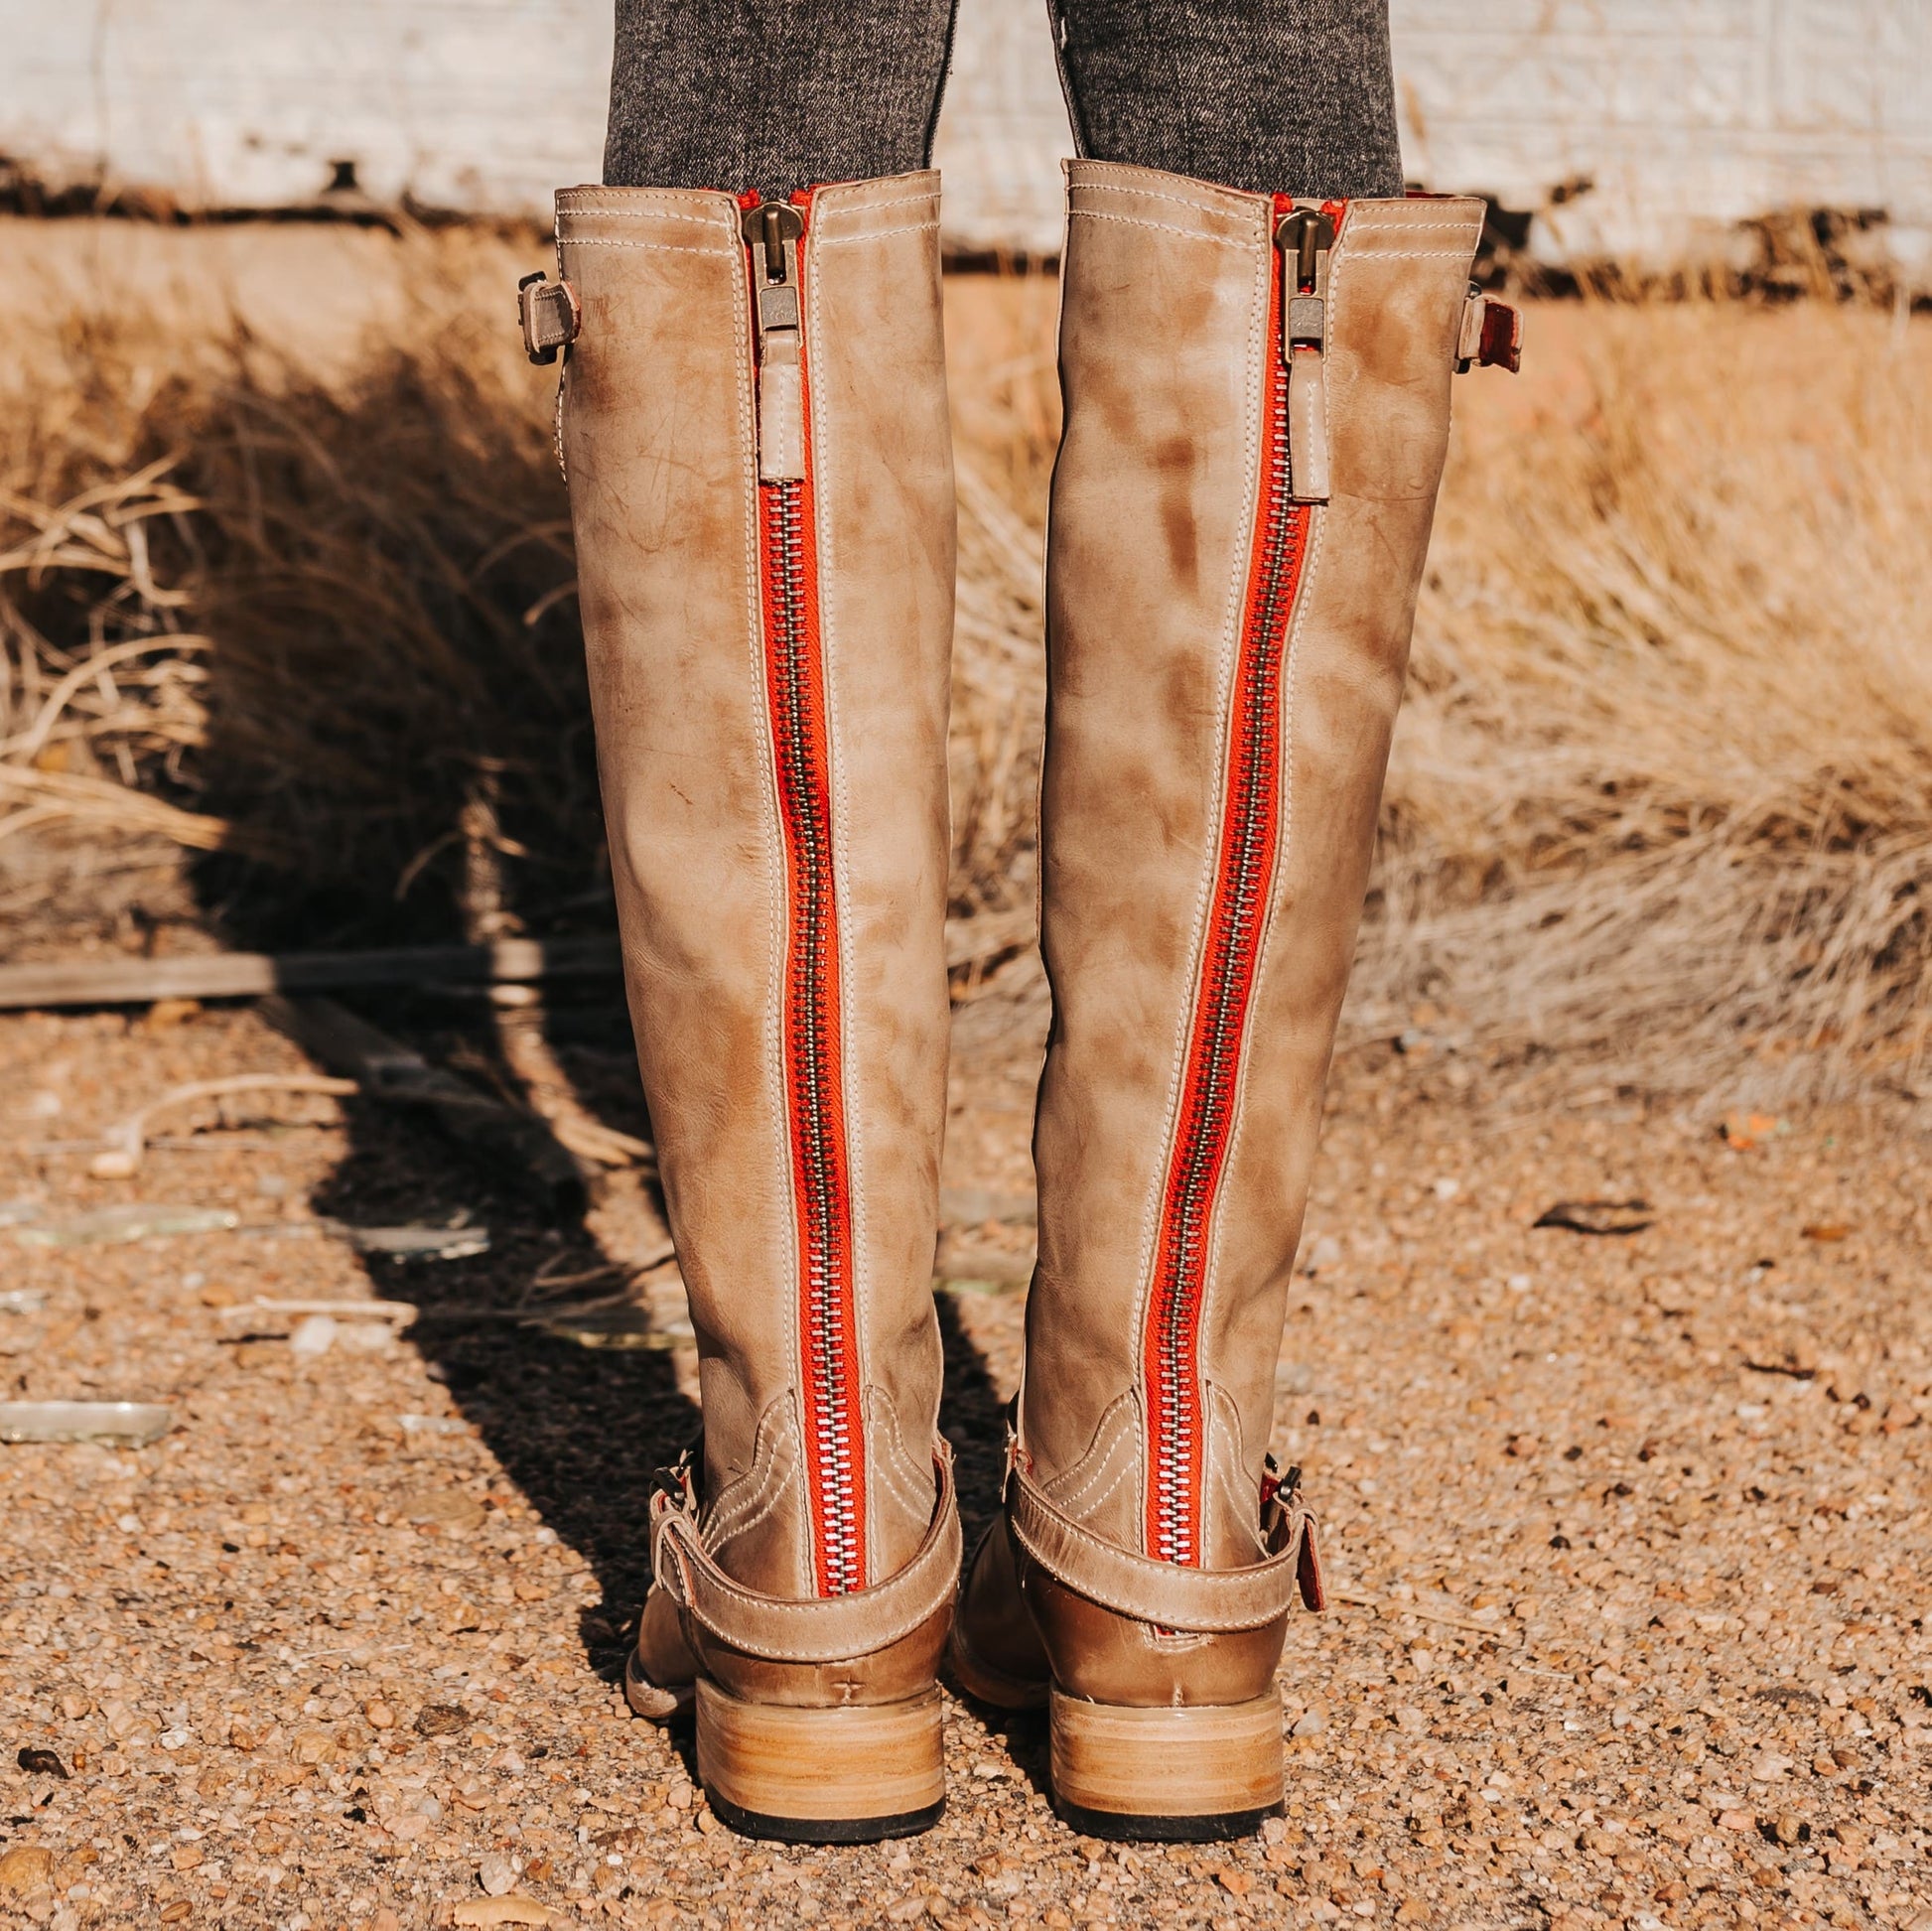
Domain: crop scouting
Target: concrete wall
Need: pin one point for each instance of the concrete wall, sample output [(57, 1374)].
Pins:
[(1685, 115)]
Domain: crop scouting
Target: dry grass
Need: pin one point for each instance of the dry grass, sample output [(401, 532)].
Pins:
[(1663, 792), (380, 667), (1662, 803)]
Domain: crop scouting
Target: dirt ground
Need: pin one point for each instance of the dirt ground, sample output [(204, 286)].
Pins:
[(1628, 1532)]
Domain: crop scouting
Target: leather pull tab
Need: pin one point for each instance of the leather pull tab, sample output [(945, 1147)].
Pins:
[(1307, 1569), (1308, 426), (782, 419)]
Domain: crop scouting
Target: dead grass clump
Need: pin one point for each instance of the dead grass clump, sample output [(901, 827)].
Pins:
[(1663, 791), (308, 612), (318, 630)]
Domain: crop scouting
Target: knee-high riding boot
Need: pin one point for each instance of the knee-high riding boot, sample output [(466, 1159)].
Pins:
[(1257, 412), (754, 430)]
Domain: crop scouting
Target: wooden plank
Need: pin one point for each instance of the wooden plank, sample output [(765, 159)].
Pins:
[(249, 975)]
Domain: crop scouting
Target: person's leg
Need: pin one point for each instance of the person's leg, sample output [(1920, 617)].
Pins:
[(1281, 97), (773, 94)]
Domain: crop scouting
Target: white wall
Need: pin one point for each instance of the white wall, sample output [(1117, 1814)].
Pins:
[(1687, 114)]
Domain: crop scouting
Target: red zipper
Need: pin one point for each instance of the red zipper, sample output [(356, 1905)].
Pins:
[(811, 1033), (1247, 851)]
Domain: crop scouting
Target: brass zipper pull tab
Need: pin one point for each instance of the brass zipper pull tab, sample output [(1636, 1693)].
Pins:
[(1306, 238), (773, 231)]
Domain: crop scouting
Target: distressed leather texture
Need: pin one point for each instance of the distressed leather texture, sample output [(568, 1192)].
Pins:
[(813, 1630), (1163, 345), (659, 436)]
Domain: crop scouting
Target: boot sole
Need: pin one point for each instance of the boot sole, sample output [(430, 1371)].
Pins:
[(1190, 1775), (851, 1775), (663, 1704)]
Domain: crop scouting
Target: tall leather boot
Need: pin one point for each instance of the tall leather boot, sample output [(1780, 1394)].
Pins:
[(1257, 411), (754, 430)]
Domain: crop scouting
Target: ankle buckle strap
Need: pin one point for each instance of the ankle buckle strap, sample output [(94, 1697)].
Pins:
[(551, 316), (815, 1629), (1172, 1596)]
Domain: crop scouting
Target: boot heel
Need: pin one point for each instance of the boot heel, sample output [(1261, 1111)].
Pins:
[(1178, 1776), (822, 1776)]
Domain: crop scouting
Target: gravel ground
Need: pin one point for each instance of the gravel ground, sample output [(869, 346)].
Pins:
[(1628, 1533)]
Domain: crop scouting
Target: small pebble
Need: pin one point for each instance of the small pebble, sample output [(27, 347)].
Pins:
[(313, 1335)]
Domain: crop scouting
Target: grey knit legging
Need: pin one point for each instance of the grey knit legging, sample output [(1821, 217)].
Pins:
[(1293, 97)]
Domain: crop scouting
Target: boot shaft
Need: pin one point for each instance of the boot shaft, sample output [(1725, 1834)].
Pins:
[(1257, 414), (754, 425)]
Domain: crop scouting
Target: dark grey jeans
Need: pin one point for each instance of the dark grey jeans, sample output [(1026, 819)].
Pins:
[(1293, 97)]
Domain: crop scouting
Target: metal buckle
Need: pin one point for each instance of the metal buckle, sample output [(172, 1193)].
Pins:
[(550, 313)]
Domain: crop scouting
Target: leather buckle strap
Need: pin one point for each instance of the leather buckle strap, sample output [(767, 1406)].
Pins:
[(551, 315), (1491, 336), (1170, 1595), (817, 1629)]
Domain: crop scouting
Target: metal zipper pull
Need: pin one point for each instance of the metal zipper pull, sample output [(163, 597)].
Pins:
[(771, 233), (1306, 237)]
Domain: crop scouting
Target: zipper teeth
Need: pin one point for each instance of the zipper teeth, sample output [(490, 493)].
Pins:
[(813, 1047), (1250, 818)]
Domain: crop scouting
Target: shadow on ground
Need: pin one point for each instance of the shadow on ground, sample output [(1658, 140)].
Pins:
[(579, 1431)]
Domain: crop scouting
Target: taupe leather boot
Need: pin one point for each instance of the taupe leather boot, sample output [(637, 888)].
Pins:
[(1257, 411), (754, 430)]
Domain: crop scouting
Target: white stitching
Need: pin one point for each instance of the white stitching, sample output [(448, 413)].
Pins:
[(840, 210), (1116, 1427), (573, 197), (721, 1589), (893, 1471), (875, 235), (1163, 228), (658, 247), (615, 213), (1093, 1506), (741, 1499), (1150, 195), (892, 1478), (1230, 1433), (778, 1492), (1090, 1470), (890, 1457), (755, 1484)]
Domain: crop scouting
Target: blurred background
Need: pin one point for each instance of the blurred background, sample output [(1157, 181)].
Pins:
[(1651, 131)]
